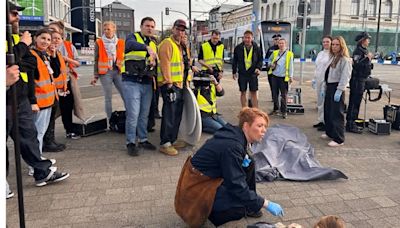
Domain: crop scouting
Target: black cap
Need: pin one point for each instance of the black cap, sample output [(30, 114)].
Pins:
[(180, 23), (362, 36), (276, 36), (14, 7)]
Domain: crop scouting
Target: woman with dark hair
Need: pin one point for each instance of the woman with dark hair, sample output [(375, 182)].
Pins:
[(337, 77)]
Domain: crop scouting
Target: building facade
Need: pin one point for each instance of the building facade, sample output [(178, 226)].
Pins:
[(122, 15), (83, 17)]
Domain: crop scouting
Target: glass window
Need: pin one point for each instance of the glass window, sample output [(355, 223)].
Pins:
[(274, 11), (268, 13), (281, 8), (355, 7), (388, 8), (315, 6), (372, 8)]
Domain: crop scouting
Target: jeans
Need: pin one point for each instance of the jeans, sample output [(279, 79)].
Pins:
[(42, 119), (320, 85), (137, 98), (107, 80), (29, 145), (212, 123), (66, 107), (171, 115)]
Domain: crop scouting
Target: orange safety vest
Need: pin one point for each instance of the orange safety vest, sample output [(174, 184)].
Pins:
[(102, 62), (61, 81), (68, 47), (44, 87)]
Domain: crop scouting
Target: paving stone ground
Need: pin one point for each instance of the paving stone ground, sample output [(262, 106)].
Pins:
[(108, 188)]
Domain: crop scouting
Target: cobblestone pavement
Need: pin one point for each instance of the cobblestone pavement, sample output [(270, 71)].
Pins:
[(108, 188)]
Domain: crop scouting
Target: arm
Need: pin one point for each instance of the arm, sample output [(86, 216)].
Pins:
[(132, 45), (346, 69), (259, 59), (55, 65), (96, 59), (291, 67), (165, 53), (235, 61), (201, 58)]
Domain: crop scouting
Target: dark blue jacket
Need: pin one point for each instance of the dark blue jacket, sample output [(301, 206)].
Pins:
[(222, 156)]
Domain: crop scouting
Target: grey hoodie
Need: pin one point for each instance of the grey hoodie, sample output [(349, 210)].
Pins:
[(341, 73)]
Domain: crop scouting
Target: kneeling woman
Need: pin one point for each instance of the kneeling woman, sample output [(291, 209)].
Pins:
[(226, 161)]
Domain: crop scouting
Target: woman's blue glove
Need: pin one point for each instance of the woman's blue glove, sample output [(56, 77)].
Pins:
[(337, 95), (246, 161), (275, 209)]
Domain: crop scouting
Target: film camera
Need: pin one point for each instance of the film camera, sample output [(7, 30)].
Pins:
[(137, 73)]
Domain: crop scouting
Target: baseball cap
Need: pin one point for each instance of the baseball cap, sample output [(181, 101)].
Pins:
[(180, 23), (276, 36), (16, 7)]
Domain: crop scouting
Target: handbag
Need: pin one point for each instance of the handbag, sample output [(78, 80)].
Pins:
[(373, 84), (195, 195)]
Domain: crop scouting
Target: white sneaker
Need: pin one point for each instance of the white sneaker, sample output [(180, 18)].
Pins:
[(335, 144), (52, 160), (31, 171), (324, 136)]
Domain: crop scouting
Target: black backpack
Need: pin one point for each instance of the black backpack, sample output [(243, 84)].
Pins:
[(117, 121), (373, 84)]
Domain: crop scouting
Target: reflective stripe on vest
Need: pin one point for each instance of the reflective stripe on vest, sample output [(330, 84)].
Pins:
[(289, 56), (61, 81), (44, 88), (103, 60), (248, 57), (175, 64), (204, 105), (138, 55), (211, 58), (23, 75)]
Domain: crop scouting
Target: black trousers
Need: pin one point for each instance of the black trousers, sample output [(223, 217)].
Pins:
[(171, 115), (357, 88), (28, 138), (67, 107), (270, 83), (153, 109), (334, 114), (279, 85), (235, 213), (49, 136)]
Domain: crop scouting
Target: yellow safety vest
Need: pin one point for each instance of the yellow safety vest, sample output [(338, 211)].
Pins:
[(23, 75), (204, 105), (289, 56), (138, 55), (175, 64), (248, 57), (211, 58)]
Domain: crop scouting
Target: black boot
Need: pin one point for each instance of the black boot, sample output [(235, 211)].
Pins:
[(354, 129), (49, 143)]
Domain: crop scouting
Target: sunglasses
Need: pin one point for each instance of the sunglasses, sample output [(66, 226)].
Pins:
[(14, 13)]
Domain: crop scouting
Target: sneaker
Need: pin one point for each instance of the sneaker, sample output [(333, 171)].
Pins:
[(56, 177), (257, 214), (335, 144), (52, 160), (168, 150), (9, 195), (179, 144), (324, 136), (72, 136), (157, 115), (284, 115), (322, 128), (132, 150), (31, 171), (318, 125), (147, 145)]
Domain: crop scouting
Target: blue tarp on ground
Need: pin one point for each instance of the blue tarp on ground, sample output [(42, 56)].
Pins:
[(285, 154)]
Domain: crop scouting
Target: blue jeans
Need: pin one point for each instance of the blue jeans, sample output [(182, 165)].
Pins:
[(42, 120), (137, 98), (107, 80), (212, 123)]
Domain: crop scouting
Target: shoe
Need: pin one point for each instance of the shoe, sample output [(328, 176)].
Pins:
[(322, 128), (56, 177), (257, 214), (132, 150), (157, 115), (31, 171), (53, 147), (168, 150), (354, 129), (147, 145), (324, 136), (284, 115), (179, 144), (52, 160), (318, 125), (273, 113), (335, 144), (9, 195), (72, 136)]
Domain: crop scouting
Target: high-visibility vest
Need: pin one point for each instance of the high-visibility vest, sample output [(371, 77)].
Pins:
[(44, 87), (289, 56), (204, 105), (61, 81), (138, 55), (211, 58), (102, 62), (175, 64), (23, 75), (68, 47), (248, 58)]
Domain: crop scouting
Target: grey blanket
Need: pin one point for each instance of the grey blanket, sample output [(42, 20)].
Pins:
[(285, 153)]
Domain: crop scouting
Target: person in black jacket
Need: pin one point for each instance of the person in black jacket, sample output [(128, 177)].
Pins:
[(247, 60), (275, 39), (361, 70), (228, 155)]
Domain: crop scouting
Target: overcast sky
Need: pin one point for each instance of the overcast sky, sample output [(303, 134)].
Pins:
[(153, 9)]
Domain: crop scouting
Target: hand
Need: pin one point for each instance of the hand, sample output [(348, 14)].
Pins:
[(275, 209), (169, 85), (12, 75), (370, 55), (257, 72), (322, 94), (337, 95), (152, 53), (210, 70), (26, 38), (93, 81), (314, 84), (35, 108), (220, 75), (213, 80), (195, 69), (234, 76), (290, 80)]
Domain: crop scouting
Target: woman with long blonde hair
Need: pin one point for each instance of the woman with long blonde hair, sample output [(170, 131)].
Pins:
[(337, 77)]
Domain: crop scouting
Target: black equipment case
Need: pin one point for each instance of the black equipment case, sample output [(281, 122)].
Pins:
[(391, 114), (90, 127), (379, 127), (294, 105)]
